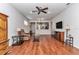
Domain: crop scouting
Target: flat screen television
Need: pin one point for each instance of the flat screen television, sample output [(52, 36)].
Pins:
[(59, 25)]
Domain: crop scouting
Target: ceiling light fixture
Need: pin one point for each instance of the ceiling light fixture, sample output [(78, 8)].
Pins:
[(25, 23)]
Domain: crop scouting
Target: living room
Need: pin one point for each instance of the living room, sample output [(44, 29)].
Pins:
[(53, 19)]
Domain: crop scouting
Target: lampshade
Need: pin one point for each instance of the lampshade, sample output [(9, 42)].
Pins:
[(68, 27), (18, 29)]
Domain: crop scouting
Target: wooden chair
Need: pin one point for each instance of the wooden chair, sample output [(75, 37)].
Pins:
[(69, 41)]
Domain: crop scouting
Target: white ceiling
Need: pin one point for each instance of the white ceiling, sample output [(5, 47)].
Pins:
[(27, 8)]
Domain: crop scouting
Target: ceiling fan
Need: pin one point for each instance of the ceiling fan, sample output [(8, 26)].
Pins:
[(40, 9)]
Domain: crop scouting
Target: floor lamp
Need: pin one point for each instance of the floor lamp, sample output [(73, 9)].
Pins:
[(67, 31), (69, 38)]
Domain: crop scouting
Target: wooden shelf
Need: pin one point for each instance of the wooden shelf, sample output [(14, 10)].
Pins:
[(3, 47), (4, 51), (3, 33), (3, 41), (2, 28)]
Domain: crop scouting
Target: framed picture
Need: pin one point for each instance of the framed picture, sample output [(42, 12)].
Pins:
[(43, 25)]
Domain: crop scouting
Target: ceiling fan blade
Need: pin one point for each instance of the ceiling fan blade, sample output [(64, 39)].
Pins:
[(37, 7), (45, 8), (38, 12), (44, 11), (34, 11)]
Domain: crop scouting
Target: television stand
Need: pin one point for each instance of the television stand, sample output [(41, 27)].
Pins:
[(59, 36)]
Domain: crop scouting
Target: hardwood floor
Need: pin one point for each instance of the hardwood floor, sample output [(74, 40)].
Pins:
[(46, 46)]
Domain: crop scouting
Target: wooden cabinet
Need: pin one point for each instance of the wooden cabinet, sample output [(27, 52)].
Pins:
[(3, 33), (59, 36)]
